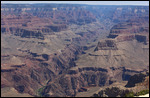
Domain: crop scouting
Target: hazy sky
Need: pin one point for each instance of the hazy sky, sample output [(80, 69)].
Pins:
[(86, 2)]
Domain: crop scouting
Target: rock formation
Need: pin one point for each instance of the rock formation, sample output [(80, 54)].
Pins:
[(121, 91), (61, 50)]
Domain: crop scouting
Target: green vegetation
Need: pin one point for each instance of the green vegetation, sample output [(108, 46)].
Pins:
[(132, 94), (39, 91), (143, 92)]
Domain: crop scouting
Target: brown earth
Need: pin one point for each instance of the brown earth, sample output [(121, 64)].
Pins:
[(63, 48)]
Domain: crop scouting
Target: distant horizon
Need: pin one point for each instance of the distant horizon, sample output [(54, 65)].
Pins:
[(132, 3)]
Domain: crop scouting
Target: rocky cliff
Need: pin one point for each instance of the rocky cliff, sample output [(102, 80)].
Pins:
[(61, 50), (121, 91), (36, 72)]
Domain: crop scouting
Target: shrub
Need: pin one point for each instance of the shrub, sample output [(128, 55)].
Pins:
[(39, 91), (130, 94), (143, 92)]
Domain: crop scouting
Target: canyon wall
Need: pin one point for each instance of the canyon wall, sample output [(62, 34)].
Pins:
[(62, 49)]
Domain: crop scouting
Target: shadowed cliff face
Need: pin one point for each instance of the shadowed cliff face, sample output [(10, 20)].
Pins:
[(37, 72), (137, 29), (56, 49), (121, 52), (137, 80), (133, 85), (106, 45), (75, 79)]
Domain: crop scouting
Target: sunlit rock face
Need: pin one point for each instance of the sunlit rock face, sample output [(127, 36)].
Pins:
[(63, 49)]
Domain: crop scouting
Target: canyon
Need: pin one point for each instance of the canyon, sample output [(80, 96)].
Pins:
[(64, 50)]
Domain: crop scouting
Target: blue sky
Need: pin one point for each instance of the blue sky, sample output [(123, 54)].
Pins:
[(86, 2)]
